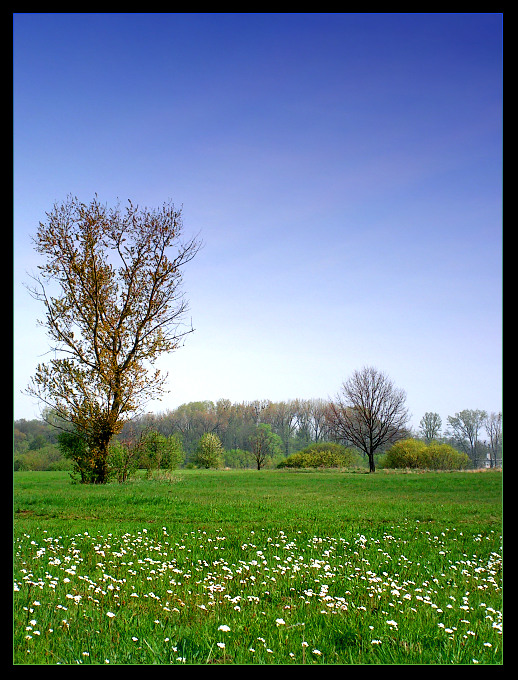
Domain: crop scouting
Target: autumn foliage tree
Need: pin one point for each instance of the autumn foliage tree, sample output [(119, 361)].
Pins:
[(111, 288)]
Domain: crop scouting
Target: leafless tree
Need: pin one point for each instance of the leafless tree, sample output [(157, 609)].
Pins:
[(430, 426), (466, 425), (494, 430), (368, 412), (303, 419), (319, 409)]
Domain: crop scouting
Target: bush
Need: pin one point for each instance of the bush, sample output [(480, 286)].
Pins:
[(413, 453), (407, 453), (445, 457), (325, 455)]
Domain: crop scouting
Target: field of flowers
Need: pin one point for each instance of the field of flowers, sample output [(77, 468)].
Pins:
[(121, 592)]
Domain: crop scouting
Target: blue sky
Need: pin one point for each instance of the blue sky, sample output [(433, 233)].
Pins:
[(344, 172)]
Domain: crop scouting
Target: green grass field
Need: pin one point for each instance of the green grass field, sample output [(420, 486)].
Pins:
[(259, 567)]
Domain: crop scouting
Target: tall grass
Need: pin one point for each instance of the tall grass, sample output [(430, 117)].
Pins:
[(259, 567)]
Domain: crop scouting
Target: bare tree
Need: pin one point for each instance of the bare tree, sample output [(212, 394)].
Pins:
[(303, 419), (466, 425), (430, 426), (118, 307), (319, 410), (494, 430), (369, 412)]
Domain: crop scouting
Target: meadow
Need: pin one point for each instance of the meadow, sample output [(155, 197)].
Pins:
[(259, 567)]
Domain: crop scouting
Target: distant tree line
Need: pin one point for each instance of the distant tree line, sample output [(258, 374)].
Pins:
[(250, 435), (296, 423)]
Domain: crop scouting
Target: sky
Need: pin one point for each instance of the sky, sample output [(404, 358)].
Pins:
[(343, 170)]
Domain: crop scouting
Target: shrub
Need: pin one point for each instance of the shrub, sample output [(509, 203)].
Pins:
[(407, 453), (324, 455), (413, 453), (445, 457)]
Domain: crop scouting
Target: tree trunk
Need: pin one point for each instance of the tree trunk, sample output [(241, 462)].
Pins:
[(100, 451), (372, 467), (101, 464)]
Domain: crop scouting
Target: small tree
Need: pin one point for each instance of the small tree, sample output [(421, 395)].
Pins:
[(209, 452), (369, 412), (174, 454), (160, 452), (264, 445), (153, 449)]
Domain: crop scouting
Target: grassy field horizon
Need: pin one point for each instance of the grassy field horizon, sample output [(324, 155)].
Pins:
[(259, 567)]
